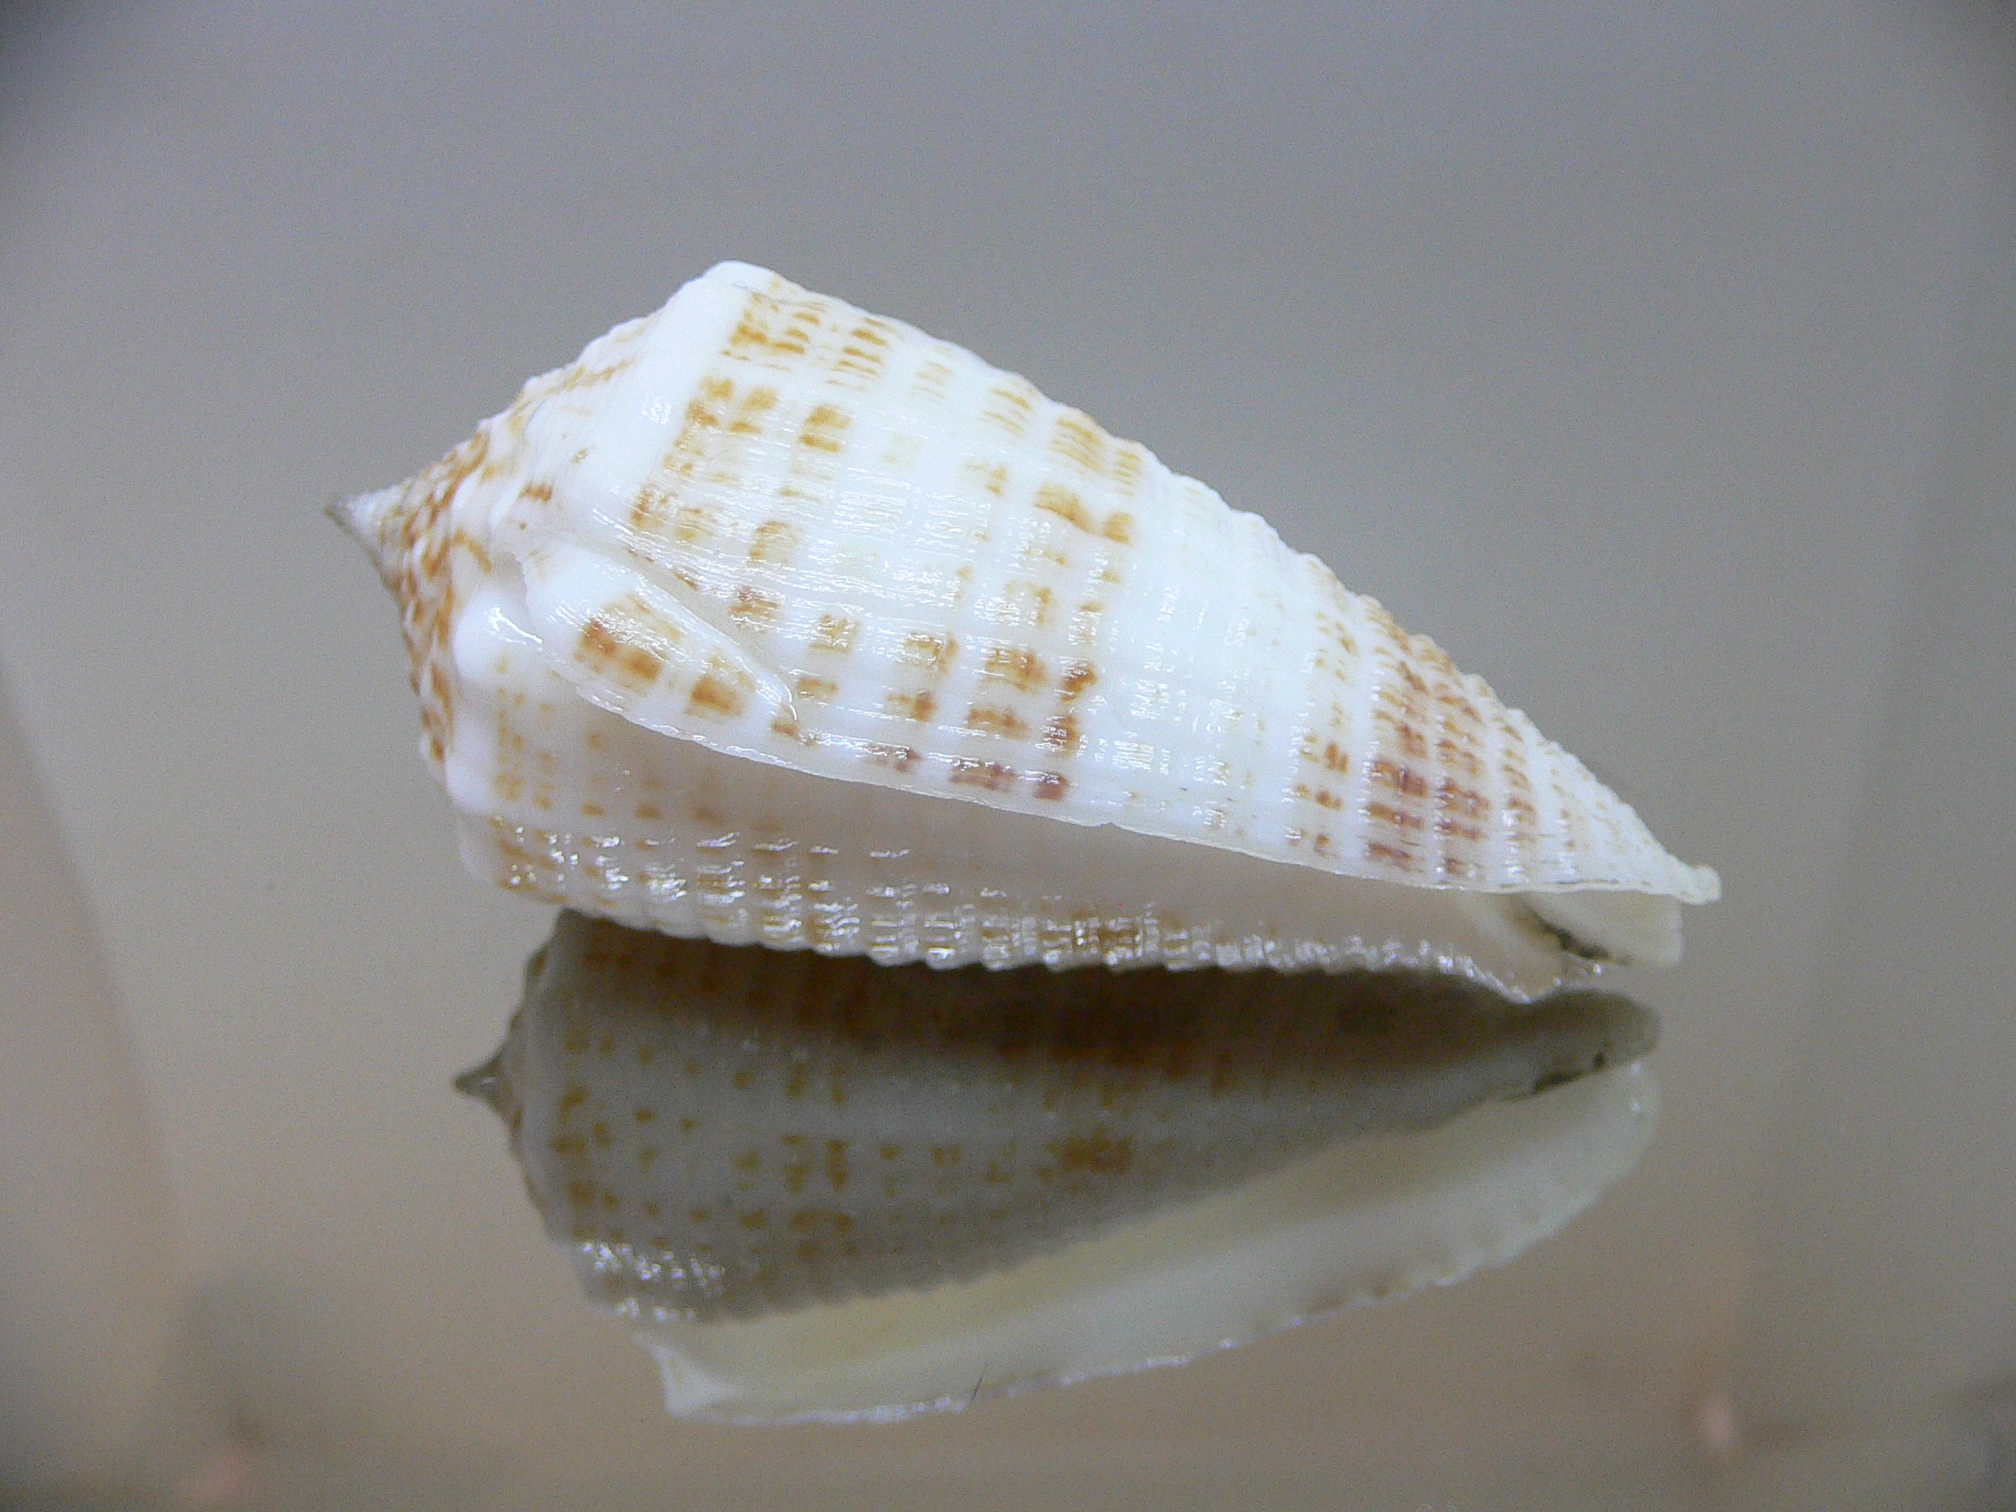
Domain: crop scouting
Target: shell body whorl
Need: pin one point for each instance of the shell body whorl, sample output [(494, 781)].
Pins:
[(768, 619)]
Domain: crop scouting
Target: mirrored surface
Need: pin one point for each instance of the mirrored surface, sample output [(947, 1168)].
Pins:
[(830, 1190)]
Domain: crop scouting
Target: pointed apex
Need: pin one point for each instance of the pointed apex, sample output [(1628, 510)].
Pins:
[(486, 1082), (371, 519)]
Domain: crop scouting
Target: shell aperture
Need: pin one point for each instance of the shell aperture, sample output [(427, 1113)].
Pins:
[(829, 1189), (773, 621)]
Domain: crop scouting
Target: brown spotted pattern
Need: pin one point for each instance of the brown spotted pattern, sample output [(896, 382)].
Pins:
[(864, 556), (427, 554), (811, 409)]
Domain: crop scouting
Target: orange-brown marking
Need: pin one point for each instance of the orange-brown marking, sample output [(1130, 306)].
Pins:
[(1085, 622), (835, 632), (824, 428), (690, 522), (1016, 665), (1099, 1153), (580, 377), (750, 409), (634, 666), (797, 1167), (990, 719), (1333, 757), (753, 336), (1009, 406), (1129, 466), (864, 352), (1459, 705), (720, 691), (991, 775), (1054, 498), (817, 689), (1399, 779), (754, 609), (1076, 439), (425, 593), (928, 648), (464, 541), (1462, 756), (1412, 743), (1386, 814), (1062, 734), (775, 541), (1025, 603), (918, 706), (1459, 800), (991, 476), (900, 758), (704, 409)]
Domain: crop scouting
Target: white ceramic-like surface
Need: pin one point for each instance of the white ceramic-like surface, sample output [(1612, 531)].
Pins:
[(762, 524)]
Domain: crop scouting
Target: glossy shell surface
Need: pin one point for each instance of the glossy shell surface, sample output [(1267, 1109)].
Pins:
[(772, 620)]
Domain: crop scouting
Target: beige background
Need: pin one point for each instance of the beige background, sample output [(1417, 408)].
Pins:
[(1660, 362)]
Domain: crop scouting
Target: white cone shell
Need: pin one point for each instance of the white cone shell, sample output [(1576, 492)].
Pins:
[(772, 620)]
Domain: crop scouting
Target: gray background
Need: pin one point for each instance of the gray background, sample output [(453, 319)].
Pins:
[(1657, 361)]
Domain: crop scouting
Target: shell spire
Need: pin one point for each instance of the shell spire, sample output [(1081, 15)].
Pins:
[(374, 521), (770, 619)]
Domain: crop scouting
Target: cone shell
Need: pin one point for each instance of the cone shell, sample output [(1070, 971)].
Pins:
[(738, 1145), (772, 620)]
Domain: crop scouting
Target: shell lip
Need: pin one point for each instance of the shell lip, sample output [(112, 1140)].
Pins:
[(1707, 888), (1701, 884)]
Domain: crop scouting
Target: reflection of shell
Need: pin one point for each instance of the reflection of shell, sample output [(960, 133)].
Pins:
[(741, 1146), (898, 614)]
